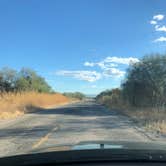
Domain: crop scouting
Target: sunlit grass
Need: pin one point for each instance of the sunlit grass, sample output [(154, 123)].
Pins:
[(13, 105)]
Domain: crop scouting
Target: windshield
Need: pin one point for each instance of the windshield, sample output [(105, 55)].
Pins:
[(82, 74)]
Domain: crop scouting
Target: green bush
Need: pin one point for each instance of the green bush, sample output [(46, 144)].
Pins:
[(24, 80), (144, 85), (76, 95), (111, 98)]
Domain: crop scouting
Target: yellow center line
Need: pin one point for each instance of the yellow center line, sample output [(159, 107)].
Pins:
[(43, 139)]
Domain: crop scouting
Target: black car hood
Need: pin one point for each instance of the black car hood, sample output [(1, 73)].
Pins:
[(87, 145), (91, 151)]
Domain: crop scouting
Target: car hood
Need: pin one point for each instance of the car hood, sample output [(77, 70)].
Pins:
[(87, 145), (92, 151)]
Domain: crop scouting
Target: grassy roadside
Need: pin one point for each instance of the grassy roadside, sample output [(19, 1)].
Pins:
[(149, 118), (14, 105)]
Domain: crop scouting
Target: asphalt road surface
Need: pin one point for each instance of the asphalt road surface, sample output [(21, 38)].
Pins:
[(70, 124)]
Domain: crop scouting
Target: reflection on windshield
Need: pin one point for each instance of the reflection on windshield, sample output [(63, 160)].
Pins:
[(97, 146)]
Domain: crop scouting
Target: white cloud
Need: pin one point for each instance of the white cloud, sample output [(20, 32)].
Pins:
[(153, 22), (108, 66), (89, 64), (119, 60), (114, 72), (90, 76), (160, 28), (110, 62), (105, 65), (158, 17), (161, 39)]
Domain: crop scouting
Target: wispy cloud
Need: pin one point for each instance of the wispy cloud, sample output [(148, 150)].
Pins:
[(160, 28), (121, 60), (109, 65), (89, 64), (160, 39), (106, 65), (158, 17), (110, 62), (114, 72), (108, 68), (153, 22), (90, 76)]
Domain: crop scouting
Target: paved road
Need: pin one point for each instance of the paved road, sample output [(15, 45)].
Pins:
[(70, 124)]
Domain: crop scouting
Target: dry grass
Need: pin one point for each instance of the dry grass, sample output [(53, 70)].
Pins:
[(150, 118), (13, 105)]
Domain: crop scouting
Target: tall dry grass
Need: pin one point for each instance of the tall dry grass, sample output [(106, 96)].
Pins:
[(13, 105), (151, 119)]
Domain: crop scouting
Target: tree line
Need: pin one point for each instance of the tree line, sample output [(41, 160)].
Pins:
[(24, 80), (143, 86), (77, 95)]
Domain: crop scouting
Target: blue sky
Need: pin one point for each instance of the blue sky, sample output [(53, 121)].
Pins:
[(80, 45)]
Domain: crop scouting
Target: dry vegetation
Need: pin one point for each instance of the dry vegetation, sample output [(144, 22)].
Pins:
[(142, 94), (151, 119), (13, 105)]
